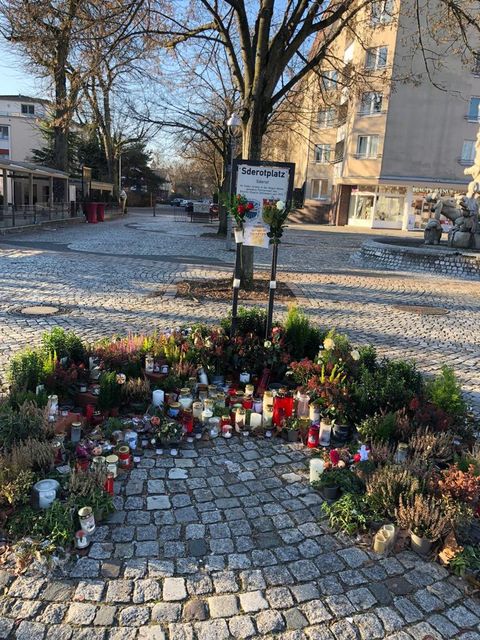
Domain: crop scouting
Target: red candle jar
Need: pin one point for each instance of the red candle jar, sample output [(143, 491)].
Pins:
[(82, 464), (288, 404), (89, 411), (313, 436), (187, 420), (278, 411), (108, 486), (248, 402), (225, 420)]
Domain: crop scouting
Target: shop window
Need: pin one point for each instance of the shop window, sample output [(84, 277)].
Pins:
[(376, 58), (326, 118), (367, 146), (474, 110), (389, 209), (322, 153), (361, 208), (319, 189), (371, 103)]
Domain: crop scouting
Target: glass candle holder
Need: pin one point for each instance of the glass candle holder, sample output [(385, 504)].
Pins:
[(303, 410), (149, 364)]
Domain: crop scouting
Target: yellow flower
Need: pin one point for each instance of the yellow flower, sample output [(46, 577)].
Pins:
[(328, 344)]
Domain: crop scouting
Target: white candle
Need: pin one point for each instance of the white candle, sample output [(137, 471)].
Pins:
[(255, 420), (158, 397), (316, 469)]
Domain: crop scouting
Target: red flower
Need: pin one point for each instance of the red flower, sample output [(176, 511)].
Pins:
[(250, 206), (334, 457), (356, 458), (241, 209)]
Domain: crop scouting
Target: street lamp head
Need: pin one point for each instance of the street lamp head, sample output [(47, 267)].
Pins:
[(234, 123)]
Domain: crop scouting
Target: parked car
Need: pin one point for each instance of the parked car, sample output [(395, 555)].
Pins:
[(175, 202)]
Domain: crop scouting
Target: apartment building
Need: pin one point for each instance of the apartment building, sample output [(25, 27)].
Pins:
[(380, 135), (19, 130)]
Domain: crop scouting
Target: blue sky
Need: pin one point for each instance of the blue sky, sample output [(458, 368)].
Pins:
[(14, 78)]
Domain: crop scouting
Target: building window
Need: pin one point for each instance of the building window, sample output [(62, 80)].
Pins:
[(382, 12), (3, 133), (4, 154), (474, 110), (367, 146), (376, 58), (319, 189), (371, 103), (28, 109), (468, 152), (326, 118), (476, 63), (330, 79), (322, 153), (339, 150)]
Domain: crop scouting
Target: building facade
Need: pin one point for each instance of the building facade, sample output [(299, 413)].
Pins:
[(381, 135), (19, 126)]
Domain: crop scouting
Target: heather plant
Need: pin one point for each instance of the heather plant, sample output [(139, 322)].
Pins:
[(463, 486), (426, 445), (110, 391), (136, 391), (387, 484), (17, 426), (422, 515), (124, 355), (15, 490), (380, 452), (34, 455)]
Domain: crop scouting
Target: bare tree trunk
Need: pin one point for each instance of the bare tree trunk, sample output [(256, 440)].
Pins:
[(253, 131)]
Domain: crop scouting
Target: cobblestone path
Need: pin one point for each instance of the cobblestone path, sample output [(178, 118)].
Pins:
[(103, 276), (225, 541)]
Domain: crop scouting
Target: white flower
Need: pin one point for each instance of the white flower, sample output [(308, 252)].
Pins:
[(280, 205), (328, 344), (355, 355), (121, 378), (267, 344)]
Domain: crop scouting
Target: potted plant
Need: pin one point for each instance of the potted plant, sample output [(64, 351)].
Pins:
[(291, 429), (110, 392), (136, 394), (424, 518)]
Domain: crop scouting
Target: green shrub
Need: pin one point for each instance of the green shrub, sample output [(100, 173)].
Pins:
[(343, 478), (26, 369), (302, 339), (350, 514), (110, 391), (248, 321), (368, 357), (379, 427), (64, 344), (54, 524), (17, 491), (390, 386), (446, 394)]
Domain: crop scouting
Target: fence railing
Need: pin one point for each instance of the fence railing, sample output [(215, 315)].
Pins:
[(22, 215)]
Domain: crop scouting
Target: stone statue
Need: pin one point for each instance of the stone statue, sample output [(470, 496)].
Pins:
[(463, 212)]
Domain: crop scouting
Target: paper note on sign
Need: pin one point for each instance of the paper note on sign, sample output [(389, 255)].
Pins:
[(256, 236)]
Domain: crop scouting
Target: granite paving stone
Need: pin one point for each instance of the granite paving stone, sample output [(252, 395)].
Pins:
[(226, 540)]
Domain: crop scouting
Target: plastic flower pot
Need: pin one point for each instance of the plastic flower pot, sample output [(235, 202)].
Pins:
[(423, 546), (330, 493), (100, 212), (292, 435), (238, 235)]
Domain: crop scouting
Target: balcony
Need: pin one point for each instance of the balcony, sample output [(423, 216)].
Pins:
[(369, 112), (470, 117), (361, 156)]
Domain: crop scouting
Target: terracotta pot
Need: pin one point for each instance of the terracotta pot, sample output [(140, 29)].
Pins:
[(423, 546)]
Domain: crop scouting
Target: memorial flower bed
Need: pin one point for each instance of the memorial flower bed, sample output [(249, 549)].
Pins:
[(394, 455)]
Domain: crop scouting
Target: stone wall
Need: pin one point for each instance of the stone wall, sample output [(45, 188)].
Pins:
[(434, 260)]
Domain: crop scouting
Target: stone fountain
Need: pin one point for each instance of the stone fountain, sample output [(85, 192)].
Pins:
[(463, 211)]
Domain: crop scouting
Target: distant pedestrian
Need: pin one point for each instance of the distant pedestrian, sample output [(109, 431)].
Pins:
[(123, 200)]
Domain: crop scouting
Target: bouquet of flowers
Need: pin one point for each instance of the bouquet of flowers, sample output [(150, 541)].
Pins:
[(275, 214), (237, 208)]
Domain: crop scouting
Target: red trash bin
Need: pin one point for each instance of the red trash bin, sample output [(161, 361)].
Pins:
[(100, 212), (92, 212)]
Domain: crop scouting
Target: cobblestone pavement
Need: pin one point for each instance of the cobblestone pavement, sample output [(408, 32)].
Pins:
[(225, 542), (110, 279)]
